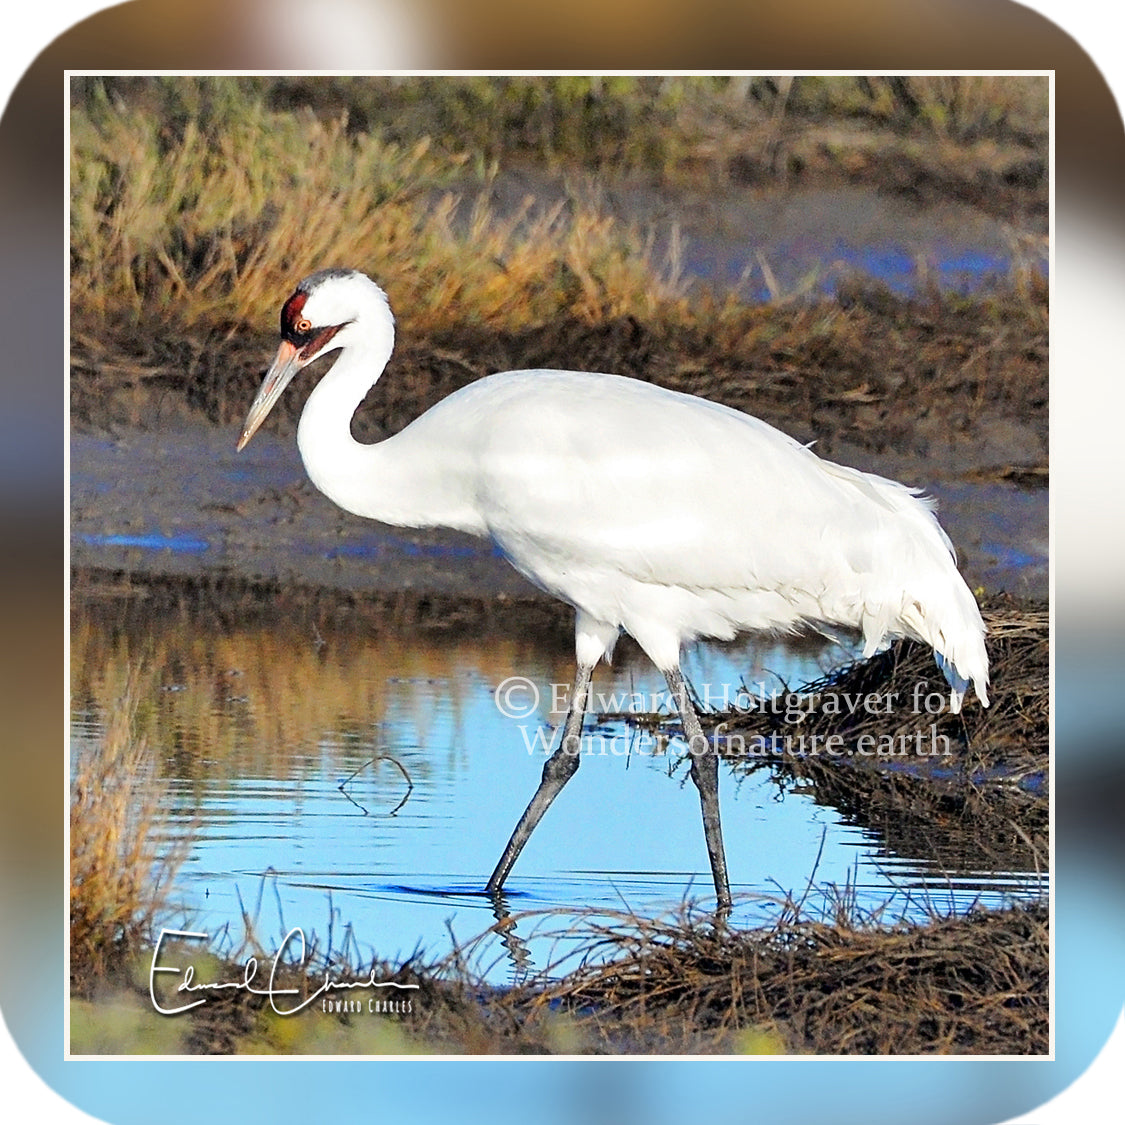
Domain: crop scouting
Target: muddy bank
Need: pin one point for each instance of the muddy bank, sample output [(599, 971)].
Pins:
[(946, 395), (961, 383), (182, 502)]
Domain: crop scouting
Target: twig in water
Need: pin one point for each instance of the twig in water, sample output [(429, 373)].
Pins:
[(372, 761)]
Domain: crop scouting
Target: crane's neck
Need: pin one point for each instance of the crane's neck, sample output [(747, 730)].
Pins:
[(406, 480)]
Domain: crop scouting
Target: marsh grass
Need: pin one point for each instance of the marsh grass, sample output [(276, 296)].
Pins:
[(673, 126), (805, 984), (950, 986), (201, 199), (119, 874), (207, 225), (196, 204)]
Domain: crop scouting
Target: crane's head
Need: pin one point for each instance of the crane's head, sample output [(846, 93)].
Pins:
[(315, 320)]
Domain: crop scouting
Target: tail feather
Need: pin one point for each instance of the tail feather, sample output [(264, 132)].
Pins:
[(936, 607), (954, 628), (910, 586), (958, 684)]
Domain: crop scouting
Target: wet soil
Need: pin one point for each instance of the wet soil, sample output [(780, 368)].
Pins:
[(945, 394)]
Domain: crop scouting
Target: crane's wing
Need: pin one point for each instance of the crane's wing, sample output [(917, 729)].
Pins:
[(673, 517)]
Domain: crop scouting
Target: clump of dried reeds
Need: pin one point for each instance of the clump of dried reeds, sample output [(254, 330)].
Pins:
[(209, 222), (942, 786), (119, 877), (681, 984), (1013, 731), (969, 985)]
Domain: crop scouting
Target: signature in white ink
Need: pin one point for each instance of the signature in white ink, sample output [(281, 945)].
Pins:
[(247, 984)]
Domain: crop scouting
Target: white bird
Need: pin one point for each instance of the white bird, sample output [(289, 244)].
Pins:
[(650, 511)]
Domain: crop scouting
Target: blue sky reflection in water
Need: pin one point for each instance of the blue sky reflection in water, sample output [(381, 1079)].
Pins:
[(272, 832)]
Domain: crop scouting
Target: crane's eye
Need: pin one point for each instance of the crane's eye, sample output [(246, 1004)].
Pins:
[(303, 326)]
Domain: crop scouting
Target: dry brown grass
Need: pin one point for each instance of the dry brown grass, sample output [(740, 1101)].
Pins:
[(174, 221), (672, 127), (118, 878), (201, 201), (954, 986), (972, 985)]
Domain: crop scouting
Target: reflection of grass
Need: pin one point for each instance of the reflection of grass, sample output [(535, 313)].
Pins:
[(231, 685), (117, 879)]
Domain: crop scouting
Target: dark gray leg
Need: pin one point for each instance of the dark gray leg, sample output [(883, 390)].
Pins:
[(705, 774), (559, 768)]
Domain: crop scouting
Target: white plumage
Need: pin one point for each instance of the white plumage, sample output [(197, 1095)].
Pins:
[(653, 512)]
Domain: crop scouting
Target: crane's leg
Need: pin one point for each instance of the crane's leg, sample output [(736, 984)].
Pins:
[(705, 774), (559, 768)]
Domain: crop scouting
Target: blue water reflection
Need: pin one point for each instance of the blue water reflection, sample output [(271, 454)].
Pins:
[(308, 830)]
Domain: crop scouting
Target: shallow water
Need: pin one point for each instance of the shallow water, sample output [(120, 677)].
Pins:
[(264, 726)]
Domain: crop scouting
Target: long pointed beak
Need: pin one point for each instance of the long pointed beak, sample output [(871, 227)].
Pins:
[(285, 365)]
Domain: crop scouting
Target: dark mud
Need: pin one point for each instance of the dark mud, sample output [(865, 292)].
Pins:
[(183, 502), (944, 394), (960, 382)]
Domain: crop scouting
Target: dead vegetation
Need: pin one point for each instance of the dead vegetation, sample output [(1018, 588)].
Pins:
[(878, 372), (1012, 733), (188, 229), (957, 791), (119, 872), (954, 986)]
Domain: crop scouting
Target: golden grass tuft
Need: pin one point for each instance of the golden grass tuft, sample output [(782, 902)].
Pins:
[(202, 200), (118, 878)]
